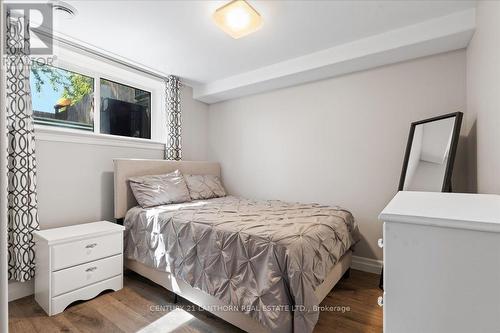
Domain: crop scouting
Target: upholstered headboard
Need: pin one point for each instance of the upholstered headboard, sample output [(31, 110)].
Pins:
[(126, 168)]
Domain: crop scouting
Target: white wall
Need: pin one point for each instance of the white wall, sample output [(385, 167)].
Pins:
[(194, 127), (483, 98), (338, 141), (75, 180)]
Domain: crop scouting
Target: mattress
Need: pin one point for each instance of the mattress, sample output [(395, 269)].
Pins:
[(264, 258)]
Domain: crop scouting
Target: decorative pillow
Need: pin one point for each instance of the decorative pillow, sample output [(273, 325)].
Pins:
[(155, 190), (204, 186)]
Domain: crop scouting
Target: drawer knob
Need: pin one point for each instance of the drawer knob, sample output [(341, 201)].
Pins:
[(380, 301), (91, 269), (380, 243), (91, 246)]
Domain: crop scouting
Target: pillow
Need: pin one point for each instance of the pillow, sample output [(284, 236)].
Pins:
[(158, 190), (204, 186)]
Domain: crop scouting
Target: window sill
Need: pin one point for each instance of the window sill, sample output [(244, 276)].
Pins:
[(54, 134)]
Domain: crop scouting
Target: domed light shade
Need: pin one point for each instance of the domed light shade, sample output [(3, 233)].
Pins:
[(237, 18)]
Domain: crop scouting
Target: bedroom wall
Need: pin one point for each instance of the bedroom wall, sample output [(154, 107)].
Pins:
[(75, 179), (483, 98), (194, 127), (339, 141)]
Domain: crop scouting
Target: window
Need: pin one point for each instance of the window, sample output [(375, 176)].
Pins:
[(65, 98), (125, 110), (62, 98)]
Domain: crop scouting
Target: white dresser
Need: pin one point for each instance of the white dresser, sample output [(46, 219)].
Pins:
[(77, 263), (441, 263)]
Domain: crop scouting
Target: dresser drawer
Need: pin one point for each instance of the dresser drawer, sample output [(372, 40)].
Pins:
[(79, 252), (80, 276), (59, 303)]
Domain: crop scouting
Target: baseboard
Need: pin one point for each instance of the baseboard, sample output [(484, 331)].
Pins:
[(366, 264), (20, 289)]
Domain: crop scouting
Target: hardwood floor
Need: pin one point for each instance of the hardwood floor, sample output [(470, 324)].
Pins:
[(146, 307)]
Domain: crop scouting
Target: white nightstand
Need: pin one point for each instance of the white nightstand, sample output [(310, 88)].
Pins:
[(77, 263)]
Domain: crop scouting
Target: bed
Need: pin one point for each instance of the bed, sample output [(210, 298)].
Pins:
[(263, 266)]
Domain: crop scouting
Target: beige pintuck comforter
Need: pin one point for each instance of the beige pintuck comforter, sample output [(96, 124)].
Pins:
[(264, 258)]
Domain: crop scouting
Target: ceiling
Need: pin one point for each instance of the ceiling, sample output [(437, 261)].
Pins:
[(179, 37)]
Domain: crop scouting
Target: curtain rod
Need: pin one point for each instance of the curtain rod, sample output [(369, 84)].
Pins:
[(97, 53)]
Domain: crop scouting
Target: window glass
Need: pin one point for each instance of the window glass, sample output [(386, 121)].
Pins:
[(125, 110), (62, 98)]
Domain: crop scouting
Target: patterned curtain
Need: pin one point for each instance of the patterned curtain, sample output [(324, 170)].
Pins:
[(173, 149), (21, 163)]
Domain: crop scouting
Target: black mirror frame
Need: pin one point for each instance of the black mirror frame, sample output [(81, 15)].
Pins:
[(449, 164), (453, 149)]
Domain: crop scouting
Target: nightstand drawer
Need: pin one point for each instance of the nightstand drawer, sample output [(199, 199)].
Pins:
[(80, 276), (59, 303), (79, 252)]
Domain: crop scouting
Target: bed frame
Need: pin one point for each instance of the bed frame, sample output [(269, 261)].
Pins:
[(124, 200)]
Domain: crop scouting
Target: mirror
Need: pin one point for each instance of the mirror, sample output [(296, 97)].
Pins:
[(430, 153)]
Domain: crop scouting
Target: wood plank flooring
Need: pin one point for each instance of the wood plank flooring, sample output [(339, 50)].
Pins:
[(142, 306)]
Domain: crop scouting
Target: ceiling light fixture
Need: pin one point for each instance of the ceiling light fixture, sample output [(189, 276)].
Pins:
[(237, 18)]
